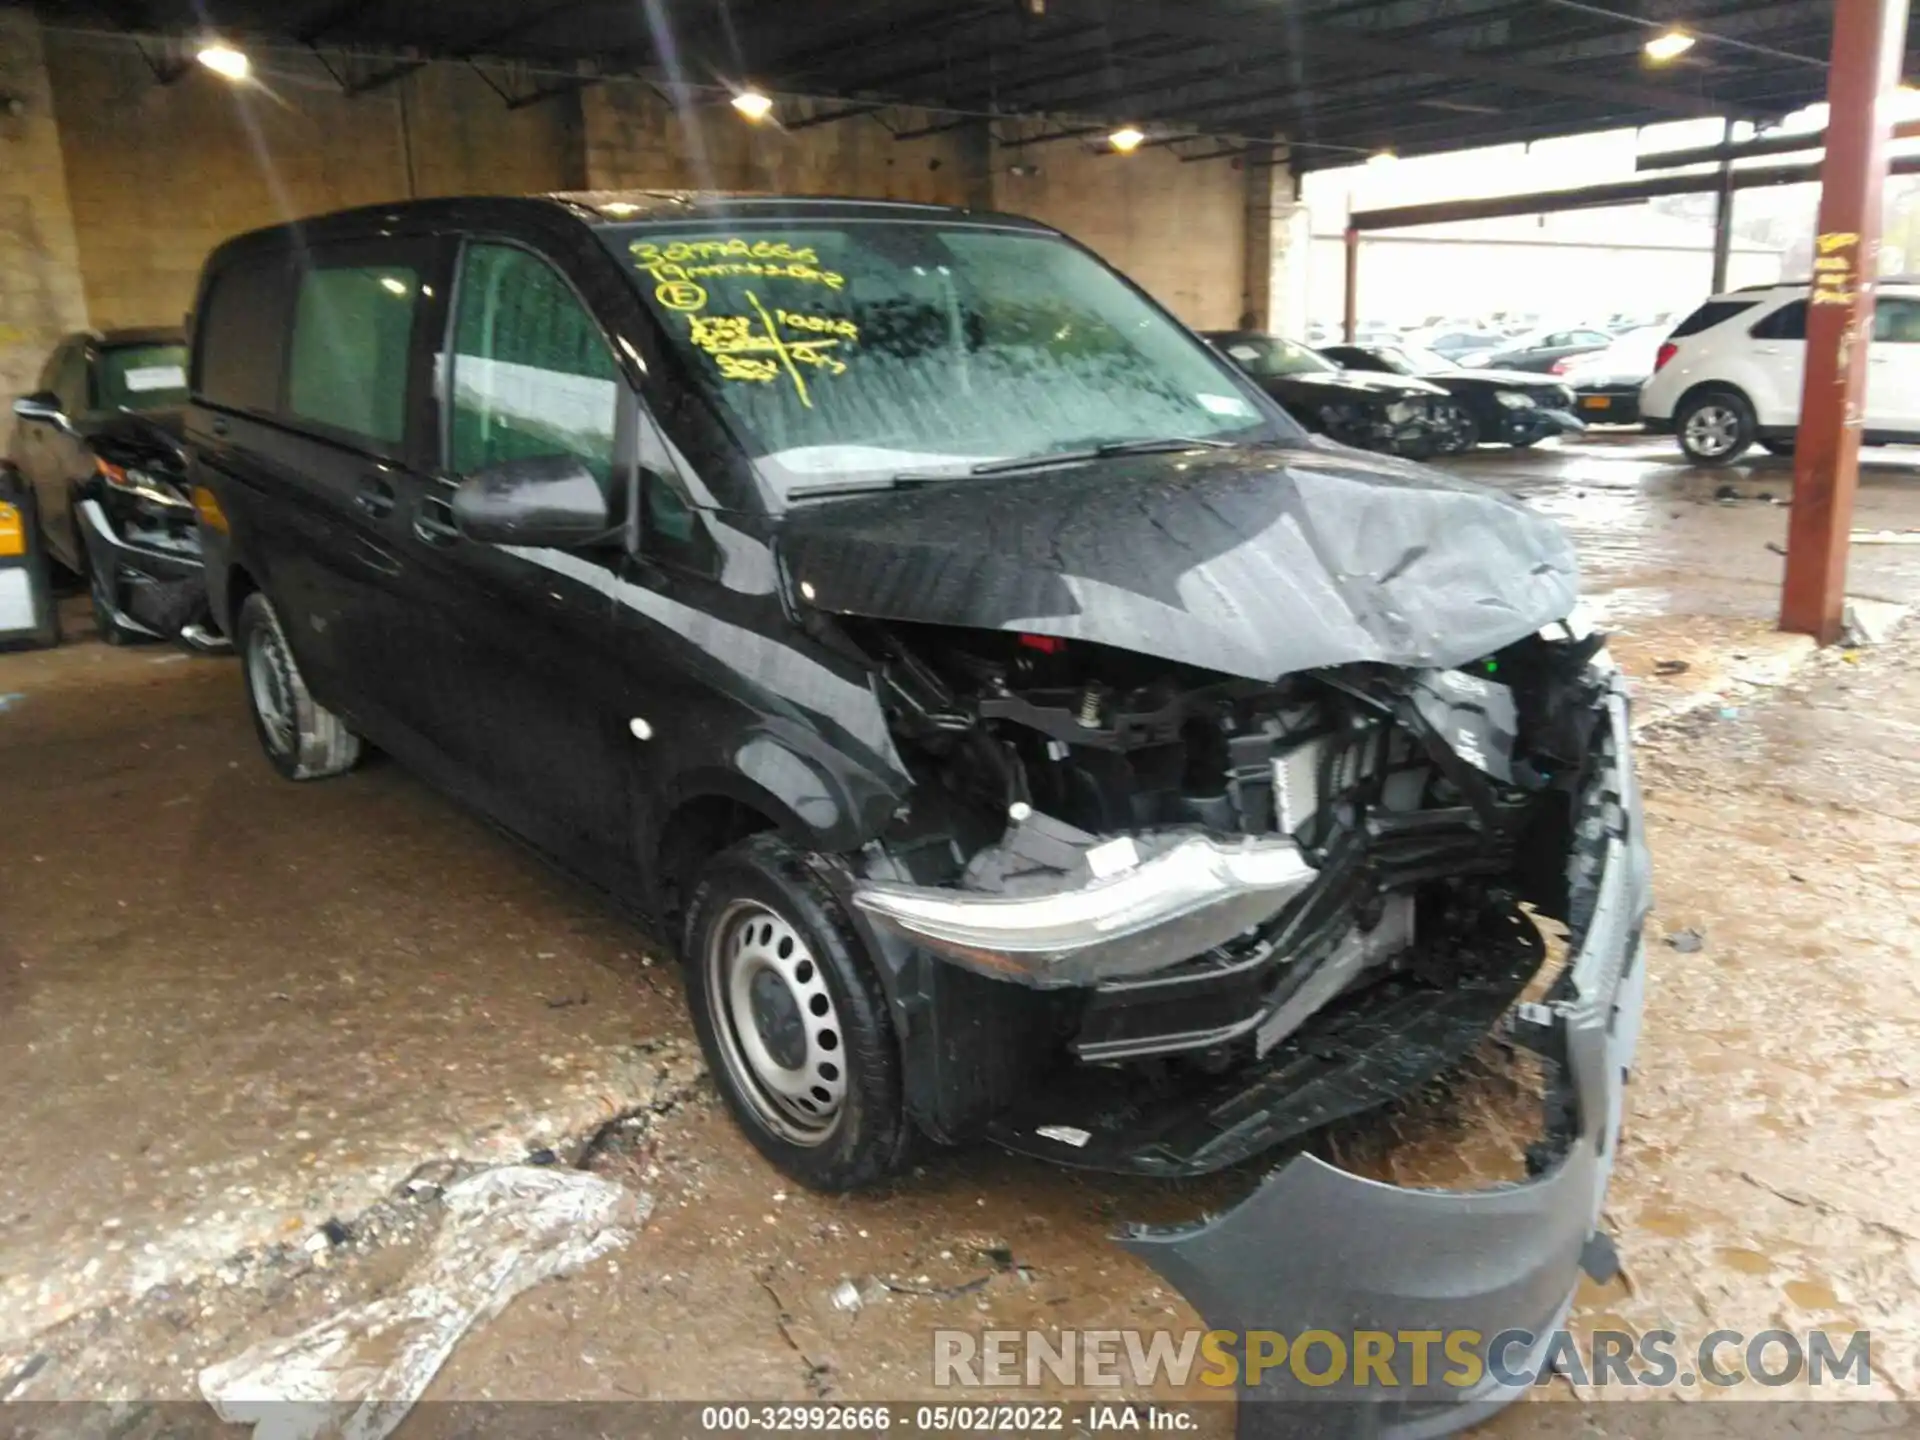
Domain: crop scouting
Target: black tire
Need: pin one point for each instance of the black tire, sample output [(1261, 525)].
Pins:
[(1715, 427), (1778, 446), (813, 1073), (302, 738)]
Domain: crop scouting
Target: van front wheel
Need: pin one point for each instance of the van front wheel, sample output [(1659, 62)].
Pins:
[(793, 1020)]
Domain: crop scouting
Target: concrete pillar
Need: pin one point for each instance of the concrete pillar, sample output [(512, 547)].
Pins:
[(1274, 291), (40, 293)]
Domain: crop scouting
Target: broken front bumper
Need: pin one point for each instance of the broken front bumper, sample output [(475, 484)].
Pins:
[(149, 564), (1315, 1248)]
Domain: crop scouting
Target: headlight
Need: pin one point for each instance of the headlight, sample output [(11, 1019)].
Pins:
[(143, 483), (1182, 902), (1514, 399), (1401, 411)]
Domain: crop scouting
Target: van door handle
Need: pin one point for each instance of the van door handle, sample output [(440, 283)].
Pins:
[(375, 497), (433, 522), (219, 425)]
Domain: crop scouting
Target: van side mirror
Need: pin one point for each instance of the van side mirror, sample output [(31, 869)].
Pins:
[(42, 405), (542, 500)]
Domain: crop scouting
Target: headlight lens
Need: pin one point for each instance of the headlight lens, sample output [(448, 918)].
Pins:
[(1401, 411), (1514, 399), (143, 483)]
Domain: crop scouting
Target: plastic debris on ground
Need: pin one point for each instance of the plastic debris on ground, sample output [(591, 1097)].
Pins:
[(357, 1373), (1686, 941), (1870, 622)]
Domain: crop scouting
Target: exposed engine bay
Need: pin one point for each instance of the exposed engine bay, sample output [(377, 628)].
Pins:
[(1186, 880)]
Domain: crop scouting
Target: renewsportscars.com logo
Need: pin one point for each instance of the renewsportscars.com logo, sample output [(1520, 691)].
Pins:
[(1373, 1359)]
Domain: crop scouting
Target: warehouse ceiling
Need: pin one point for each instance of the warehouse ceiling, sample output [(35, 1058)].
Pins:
[(1341, 78)]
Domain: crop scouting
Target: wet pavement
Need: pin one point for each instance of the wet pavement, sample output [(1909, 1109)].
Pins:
[(235, 1008)]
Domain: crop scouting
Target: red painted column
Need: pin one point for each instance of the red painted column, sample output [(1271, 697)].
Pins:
[(1868, 40)]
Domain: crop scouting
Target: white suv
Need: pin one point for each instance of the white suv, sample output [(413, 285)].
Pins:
[(1729, 374)]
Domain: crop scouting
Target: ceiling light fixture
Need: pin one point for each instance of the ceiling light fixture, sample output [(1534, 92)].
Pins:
[(224, 60), (1126, 139), (1668, 46), (752, 104)]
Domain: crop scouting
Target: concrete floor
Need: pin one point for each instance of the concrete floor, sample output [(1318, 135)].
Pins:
[(236, 1008)]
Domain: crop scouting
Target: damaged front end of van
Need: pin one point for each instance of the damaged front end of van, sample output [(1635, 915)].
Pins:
[(1210, 849)]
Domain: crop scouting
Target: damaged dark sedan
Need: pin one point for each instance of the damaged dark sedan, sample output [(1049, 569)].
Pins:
[(1506, 407), (1027, 730), (99, 441), (1401, 415)]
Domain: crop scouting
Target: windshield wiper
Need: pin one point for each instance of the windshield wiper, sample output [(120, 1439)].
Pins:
[(865, 487), (1100, 452), (1171, 443)]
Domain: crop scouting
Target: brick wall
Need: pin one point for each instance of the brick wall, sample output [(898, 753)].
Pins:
[(636, 138), (156, 175), (1177, 229), (40, 291)]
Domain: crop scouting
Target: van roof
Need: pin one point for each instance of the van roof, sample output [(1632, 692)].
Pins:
[(565, 209)]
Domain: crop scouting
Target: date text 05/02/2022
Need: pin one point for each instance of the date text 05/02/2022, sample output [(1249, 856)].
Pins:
[(1019, 1418)]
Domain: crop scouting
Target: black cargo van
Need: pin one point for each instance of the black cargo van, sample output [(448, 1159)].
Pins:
[(1027, 731)]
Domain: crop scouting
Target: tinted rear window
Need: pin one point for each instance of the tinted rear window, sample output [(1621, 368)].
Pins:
[(1708, 316), (237, 342), (352, 329), (1789, 322)]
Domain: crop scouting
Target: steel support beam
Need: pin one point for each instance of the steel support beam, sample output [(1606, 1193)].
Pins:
[(1350, 300), (1761, 145), (1722, 218), (1868, 41), (1590, 197)]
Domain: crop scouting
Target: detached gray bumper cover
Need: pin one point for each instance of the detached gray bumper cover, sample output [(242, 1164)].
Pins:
[(1317, 1248)]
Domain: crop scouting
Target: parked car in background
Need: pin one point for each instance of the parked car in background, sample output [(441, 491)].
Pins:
[(1606, 384), (99, 442), (1541, 350), (1506, 407), (1393, 413), (1729, 375), (1453, 341)]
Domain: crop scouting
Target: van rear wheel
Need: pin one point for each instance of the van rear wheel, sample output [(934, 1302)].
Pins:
[(303, 739), (793, 1020)]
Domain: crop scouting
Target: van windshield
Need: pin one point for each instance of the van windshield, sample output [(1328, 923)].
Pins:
[(855, 351)]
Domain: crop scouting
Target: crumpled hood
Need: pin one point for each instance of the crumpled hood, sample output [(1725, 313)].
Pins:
[(1255, 562), (1496, 379), (148, 438), (1373, 384)]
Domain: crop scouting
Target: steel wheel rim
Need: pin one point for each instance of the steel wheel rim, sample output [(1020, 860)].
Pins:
[(267, 682), (778, 1029), (1712, 429)]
